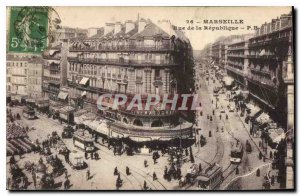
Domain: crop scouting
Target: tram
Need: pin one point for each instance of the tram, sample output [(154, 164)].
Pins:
[(28, 113), (83, 140), (237, 152), (210, 178)]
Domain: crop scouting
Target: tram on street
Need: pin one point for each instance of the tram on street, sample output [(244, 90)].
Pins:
[(28, 113), (83, 140), (210, 178), (236, 153)]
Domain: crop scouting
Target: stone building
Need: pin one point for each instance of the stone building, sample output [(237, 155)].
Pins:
[(137, 57)]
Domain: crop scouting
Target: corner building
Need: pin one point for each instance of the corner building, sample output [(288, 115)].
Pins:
[(137, 57)]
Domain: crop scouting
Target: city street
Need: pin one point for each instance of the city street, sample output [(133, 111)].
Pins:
[(224, 133)]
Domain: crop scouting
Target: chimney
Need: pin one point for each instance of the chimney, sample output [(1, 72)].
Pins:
[(118, 27), (109, 27), (142, 24), (129, 25), (92, 31)]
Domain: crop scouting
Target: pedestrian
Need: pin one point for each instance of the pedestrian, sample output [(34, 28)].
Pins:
[(209, 134), (34, 178), (66, 174), (186, 152), (165, 172), (119, 179), (87, 174), (116, 172), (145, 163), (127, 171), (258, 172), (220, 116), (145, 185), (115, 151), (178, 172), (86, 155), (226, 117), (154, 176), (96, 156), (200, 167), (66, 184), (237, 171), (213, 112), (272, 180)]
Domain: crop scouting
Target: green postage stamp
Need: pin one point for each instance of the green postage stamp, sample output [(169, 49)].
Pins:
[(28, 29), (31, 29)]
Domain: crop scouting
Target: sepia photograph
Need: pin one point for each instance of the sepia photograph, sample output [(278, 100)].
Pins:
[(150, 98)]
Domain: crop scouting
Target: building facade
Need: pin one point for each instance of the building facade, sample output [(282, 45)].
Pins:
[(268, 61), (35, 75), (138, 57), (237, 62), (17, 75)]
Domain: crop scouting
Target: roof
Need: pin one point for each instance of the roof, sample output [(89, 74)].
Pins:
[(209, 171), (99, 34), (15, 131), (37, 60), (151, 30), (62, 95), (14, 58)]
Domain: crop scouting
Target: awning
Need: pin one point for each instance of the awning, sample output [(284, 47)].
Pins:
[(263, 118), (276, 135), (84, 81), (103, 128), (66, 109), (83, 93), (62, 95), (228, 80), (253, 109)]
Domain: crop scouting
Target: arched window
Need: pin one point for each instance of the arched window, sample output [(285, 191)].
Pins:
[(157, 123), (137, 122)]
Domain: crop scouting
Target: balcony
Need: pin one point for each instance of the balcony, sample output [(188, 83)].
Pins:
[(170, 113), (121, 62), (122, 79), (235, 70), (236, 55), (266, 40), (263, 57), (139, 79), (49, 57), (54, 68), (90, 88), (130, 47), (158, 78), (261, 78), (236, 48)]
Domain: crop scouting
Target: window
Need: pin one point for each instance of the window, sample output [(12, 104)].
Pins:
[(137, 122)]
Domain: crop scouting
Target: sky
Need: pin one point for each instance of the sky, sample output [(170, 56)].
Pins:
[(85, 17)]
